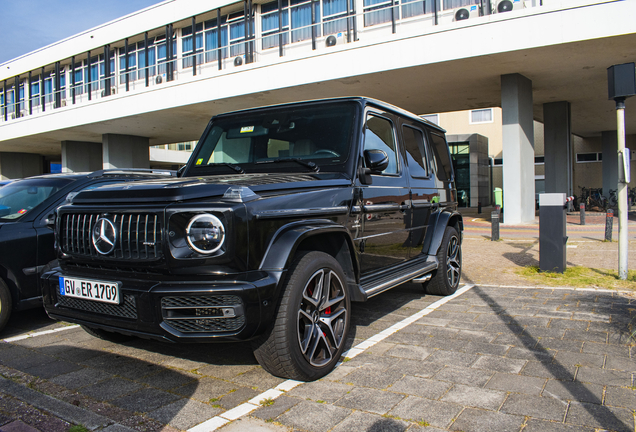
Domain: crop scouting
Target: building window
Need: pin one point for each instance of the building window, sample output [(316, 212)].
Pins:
[(433, 118), (335, 16), (212, 47), (589, 157), (481, 116), (377, 12), (269, 24), (498, 162), (187, 45), (539, 160)]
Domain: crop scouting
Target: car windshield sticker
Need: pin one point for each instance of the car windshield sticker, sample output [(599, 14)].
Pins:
[(247, 129), (199, 161)]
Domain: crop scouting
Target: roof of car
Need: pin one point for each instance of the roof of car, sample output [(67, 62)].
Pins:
[(365, 100)]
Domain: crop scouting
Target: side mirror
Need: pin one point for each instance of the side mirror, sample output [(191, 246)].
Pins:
[(49, 221), (376, 160)]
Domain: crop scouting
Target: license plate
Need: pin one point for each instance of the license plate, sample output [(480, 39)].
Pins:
[(101, 291)]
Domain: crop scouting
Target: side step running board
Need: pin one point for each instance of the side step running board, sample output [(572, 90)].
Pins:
[(419, 274)]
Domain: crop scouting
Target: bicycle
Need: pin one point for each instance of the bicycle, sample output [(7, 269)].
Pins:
[(613, 198)]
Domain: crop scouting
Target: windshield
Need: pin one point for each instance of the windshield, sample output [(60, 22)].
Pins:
[(306, 139), (20, 197)]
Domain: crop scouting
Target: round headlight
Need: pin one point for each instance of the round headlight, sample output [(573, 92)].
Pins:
[(205, 233)]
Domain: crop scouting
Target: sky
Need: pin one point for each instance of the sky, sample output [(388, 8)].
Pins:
[(32, 24)]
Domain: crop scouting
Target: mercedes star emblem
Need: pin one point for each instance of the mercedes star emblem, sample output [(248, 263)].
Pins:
[(104, 236)]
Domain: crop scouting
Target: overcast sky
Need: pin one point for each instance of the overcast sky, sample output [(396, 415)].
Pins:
[(31, 24)]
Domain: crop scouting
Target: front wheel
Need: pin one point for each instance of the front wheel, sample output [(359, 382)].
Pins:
[(309, 331), (446, 278)]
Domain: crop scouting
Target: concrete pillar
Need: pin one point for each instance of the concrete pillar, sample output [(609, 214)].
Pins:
[(557, 147), (125, 151), (610, 161), (20, 165), (518, 149), (80, 156)]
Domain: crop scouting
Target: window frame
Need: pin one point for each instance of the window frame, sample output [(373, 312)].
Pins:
[(398, 149), (492, 116), (423, 150)]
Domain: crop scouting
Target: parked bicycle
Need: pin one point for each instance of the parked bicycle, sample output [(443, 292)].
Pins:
[(613, 198)]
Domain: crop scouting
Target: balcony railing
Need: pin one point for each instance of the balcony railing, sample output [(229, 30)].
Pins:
[(378, 21)]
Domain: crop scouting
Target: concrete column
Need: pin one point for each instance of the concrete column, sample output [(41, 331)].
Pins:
[(557, 147), (125, 151), (78, 156), (20, 165), (518, 149), (610, 161)]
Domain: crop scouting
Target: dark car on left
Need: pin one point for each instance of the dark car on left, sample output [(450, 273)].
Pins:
[(27, 211)]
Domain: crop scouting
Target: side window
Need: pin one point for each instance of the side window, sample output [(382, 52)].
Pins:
[(415, 155), (379, 135), (441, 158)]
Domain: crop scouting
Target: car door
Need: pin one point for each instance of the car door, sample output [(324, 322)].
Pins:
[(424, 191), (384, 202)]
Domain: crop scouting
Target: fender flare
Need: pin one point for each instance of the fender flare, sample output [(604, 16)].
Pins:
[(442, 220), (286, 240)]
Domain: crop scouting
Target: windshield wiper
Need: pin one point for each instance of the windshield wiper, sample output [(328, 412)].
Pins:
[(311, 165), (236, 168)]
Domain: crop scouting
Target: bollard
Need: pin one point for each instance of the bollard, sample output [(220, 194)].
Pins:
[(478, 207), (582, 207), (609, 223), (552, 232), (494, 219)]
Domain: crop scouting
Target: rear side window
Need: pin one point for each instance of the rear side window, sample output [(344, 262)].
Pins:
[(414, 145), (441, 158), (379, 135)]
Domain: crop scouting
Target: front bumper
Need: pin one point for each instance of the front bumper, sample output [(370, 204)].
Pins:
[(176, 311)]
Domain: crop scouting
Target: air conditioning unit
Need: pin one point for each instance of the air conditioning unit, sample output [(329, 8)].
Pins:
[(63, 102), (508, 5), (113, 90), (238, 61), (160, 78), (335, 39), (466, 12)]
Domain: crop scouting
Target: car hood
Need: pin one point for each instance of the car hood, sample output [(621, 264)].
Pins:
[(186, 188)]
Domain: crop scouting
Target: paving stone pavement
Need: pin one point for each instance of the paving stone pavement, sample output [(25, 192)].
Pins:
[(495, 359)]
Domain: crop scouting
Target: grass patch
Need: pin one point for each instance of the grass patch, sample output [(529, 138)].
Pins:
[(582, 277), (77, 428), (267, 402)]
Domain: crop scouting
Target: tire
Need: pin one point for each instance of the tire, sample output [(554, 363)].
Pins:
[(5, 304), (308, 333), (445, 279), (107, 335)]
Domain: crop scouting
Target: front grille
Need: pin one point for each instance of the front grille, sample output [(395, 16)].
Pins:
[(203, 313), (207, 324), (169, 302), (128, 309), (138, 236)]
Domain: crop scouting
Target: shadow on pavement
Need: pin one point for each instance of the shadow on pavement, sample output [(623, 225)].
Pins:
[(602, 414)]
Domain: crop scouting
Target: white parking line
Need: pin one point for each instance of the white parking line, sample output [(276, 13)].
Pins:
[(45, 332), (222, 419)]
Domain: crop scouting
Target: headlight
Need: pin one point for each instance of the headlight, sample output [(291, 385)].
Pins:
[(205, 233)]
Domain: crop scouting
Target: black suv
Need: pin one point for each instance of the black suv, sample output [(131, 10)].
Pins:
[(26, 229), (282, 217)]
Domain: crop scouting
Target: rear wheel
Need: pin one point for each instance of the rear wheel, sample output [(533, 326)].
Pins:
[(309, 331), (5, 304), (107, 335), (446, 278)]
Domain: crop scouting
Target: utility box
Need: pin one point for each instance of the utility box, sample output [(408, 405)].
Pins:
[(552, 232)]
